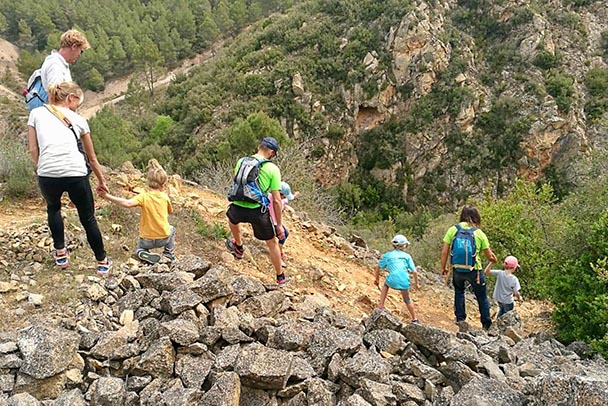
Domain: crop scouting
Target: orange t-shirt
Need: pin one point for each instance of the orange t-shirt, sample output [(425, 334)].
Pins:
[(155, 210)]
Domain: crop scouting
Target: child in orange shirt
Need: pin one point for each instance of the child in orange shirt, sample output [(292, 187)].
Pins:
[(154, 228)]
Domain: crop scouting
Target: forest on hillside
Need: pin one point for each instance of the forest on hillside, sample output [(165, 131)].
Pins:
[(126, 35), (556, 223)]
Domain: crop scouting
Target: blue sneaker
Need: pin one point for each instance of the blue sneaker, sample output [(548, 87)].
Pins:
[(234, 250), (62, 260), (104, 267)]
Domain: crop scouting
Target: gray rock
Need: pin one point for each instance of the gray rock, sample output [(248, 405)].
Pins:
[(9, 346), (158, 360), (210, 335), (192, 264), (457, 374), (225, 391), (107, 391), (376, 393), (266, 305), (254, 397), (179, 300), (46, 350), (320, 392), (10, 361), (382, 320), (301, 369), (7, 382), (177, 396), (113, 345), (226, 359), (354, 400), (216, 283), (483, 391), (23, 399), (181, 332), (365, 364), (404, 391), (245, 287), (385, 340), (137, 383), (70, 398), (193, 370), (290, 337), (162, 281), (47, 388), (233, 335), (264, 368), (298, 400)]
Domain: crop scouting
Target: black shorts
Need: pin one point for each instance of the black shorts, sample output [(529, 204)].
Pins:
[(260, 221)]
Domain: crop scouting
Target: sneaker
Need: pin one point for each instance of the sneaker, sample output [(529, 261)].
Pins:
[(149, 257), (415, 321), (169, 257), (283, 264), (61, 260), (231, 245), (282, 280), (103, 268)]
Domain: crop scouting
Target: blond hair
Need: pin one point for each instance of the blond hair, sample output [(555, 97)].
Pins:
[(73, 37), (59, 92), (157, 177)]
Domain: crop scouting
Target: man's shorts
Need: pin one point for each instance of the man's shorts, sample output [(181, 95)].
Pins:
[(260, 221)]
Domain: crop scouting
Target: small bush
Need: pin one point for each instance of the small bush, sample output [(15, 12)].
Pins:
[(215, 230), (546, 60), (16, 169), (561, 87)]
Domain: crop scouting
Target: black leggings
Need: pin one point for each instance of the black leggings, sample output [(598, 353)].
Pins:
[(79, 190)]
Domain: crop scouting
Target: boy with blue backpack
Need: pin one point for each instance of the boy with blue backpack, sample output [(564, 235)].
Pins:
[(463, 243), (254, 177)]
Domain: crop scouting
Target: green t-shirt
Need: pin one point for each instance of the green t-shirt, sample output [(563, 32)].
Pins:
[(481, 241), (269, 179)]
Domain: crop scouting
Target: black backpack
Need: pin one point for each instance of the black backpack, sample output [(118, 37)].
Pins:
[(245, 186)]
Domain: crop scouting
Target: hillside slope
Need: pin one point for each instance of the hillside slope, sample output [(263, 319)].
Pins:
[(320, 261)]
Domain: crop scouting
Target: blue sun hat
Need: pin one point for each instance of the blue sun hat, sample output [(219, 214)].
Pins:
[(286, 191), (400, 240)]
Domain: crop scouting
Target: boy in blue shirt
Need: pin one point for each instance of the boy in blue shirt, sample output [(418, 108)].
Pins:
[(398, 263)]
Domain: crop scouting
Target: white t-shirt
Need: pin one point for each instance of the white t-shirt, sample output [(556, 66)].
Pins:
[(505, 286), (59, 156), (54, 69)]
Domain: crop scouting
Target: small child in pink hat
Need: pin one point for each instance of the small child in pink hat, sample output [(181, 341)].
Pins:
[(507, 285)]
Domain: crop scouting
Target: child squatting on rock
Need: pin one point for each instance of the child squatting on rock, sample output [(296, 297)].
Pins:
[(507, 285), (398, 263), (154, 228)]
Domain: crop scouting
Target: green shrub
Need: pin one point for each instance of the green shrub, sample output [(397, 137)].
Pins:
[(604, 43), (596, 81), (547, 60), (16, 169), (561, 87)]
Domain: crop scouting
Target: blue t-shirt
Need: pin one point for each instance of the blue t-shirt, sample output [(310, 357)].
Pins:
[(398, 263)]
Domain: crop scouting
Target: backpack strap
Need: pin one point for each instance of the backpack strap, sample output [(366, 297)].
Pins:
[(59, 114)]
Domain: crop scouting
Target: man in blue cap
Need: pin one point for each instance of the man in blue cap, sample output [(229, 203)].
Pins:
[(255, 176)]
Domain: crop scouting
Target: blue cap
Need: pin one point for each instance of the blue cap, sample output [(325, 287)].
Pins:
[(286, 191), (271, 143), (400, 239)]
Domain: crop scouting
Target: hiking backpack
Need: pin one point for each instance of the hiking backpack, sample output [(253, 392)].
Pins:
[(35, 95), (464, 249), (245, 186)]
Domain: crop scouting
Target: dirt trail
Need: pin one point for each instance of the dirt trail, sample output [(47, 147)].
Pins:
[(114, 91), (315, 265)]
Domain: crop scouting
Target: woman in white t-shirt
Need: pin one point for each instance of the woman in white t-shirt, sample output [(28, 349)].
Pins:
[(54, 132)]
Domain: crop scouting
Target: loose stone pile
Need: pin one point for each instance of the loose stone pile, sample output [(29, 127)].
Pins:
[(196, 334)]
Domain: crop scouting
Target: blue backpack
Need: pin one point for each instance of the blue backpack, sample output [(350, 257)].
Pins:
[(464, 249), (35, 95), (245, 186)]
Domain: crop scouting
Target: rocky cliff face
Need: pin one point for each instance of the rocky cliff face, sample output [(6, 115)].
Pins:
[(491, 52)]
